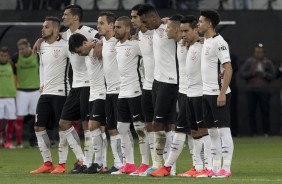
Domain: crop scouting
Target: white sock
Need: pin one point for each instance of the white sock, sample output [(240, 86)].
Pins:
[(74, 142), (143, 143), (97, 145), (215, 149), (88, 148), (151, 142), (116, 145), (160, 141), (175, 149), (63, 148), (198, 145), (227, 147), (44, 145), (190, 142), (207, 152), (104, 149), (126, 144)]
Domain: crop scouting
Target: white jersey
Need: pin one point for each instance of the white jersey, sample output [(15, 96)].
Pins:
[(128, 59), (215, 52), (96, 77), (181, 56), (166, 69), (54, 67), (80, 77), (146, 47), (193, 70), (110, 65)]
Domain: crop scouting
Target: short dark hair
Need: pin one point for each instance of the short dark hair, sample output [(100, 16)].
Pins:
[(212, 16), (55, 20), (176, 19), (126, 20), (75, 10), (76, 40), (191, 20), (111, 17), (4, 49), (145, 9), (136, 7)]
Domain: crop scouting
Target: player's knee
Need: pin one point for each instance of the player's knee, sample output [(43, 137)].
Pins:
[(123, 128)]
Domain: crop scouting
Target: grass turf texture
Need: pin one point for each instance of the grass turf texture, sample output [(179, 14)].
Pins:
[(256, 160)]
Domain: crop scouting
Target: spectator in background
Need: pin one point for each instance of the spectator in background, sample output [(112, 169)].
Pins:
[(258, 71), (7, 95), (27, 70), (233, 87)]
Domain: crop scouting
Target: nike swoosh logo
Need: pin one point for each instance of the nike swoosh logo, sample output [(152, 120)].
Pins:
[(134, 116), (158, 117), (95, 115), (179, 127), (199, 121)]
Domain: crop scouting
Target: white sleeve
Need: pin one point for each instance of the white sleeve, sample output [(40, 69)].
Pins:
[(223, 53)]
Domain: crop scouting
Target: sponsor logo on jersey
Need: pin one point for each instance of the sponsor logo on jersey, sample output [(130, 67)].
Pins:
[(222, 48)]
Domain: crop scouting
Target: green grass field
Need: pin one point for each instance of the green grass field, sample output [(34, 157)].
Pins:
[(256, 160)]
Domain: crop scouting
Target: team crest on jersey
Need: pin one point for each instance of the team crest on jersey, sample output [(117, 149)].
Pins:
[(183, 48), (92, 60), (56, 53), (194, 55), (207, 51), (127, 52), (150, 38), (112, 47), (161, 32)]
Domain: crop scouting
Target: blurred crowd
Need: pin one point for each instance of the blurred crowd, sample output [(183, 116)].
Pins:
[(127, 4)]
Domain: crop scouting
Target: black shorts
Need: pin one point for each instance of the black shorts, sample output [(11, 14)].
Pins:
[(182, 119), (216, 116), (129, 109), (147, 105), (111, 111), (97, 111), (164, 102), (48, 110), (194, 110), (76, 106)]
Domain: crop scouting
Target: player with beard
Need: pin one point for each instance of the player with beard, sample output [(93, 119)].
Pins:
[(54, 88)]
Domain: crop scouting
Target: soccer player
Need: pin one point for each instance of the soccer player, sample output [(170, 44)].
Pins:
[(145, 38), (194, 112), (83, 47), (105, 28), (129, 99), (27, 71), (76, 106), (54, 87), (7, 95), (215, 58), (166, 80)]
